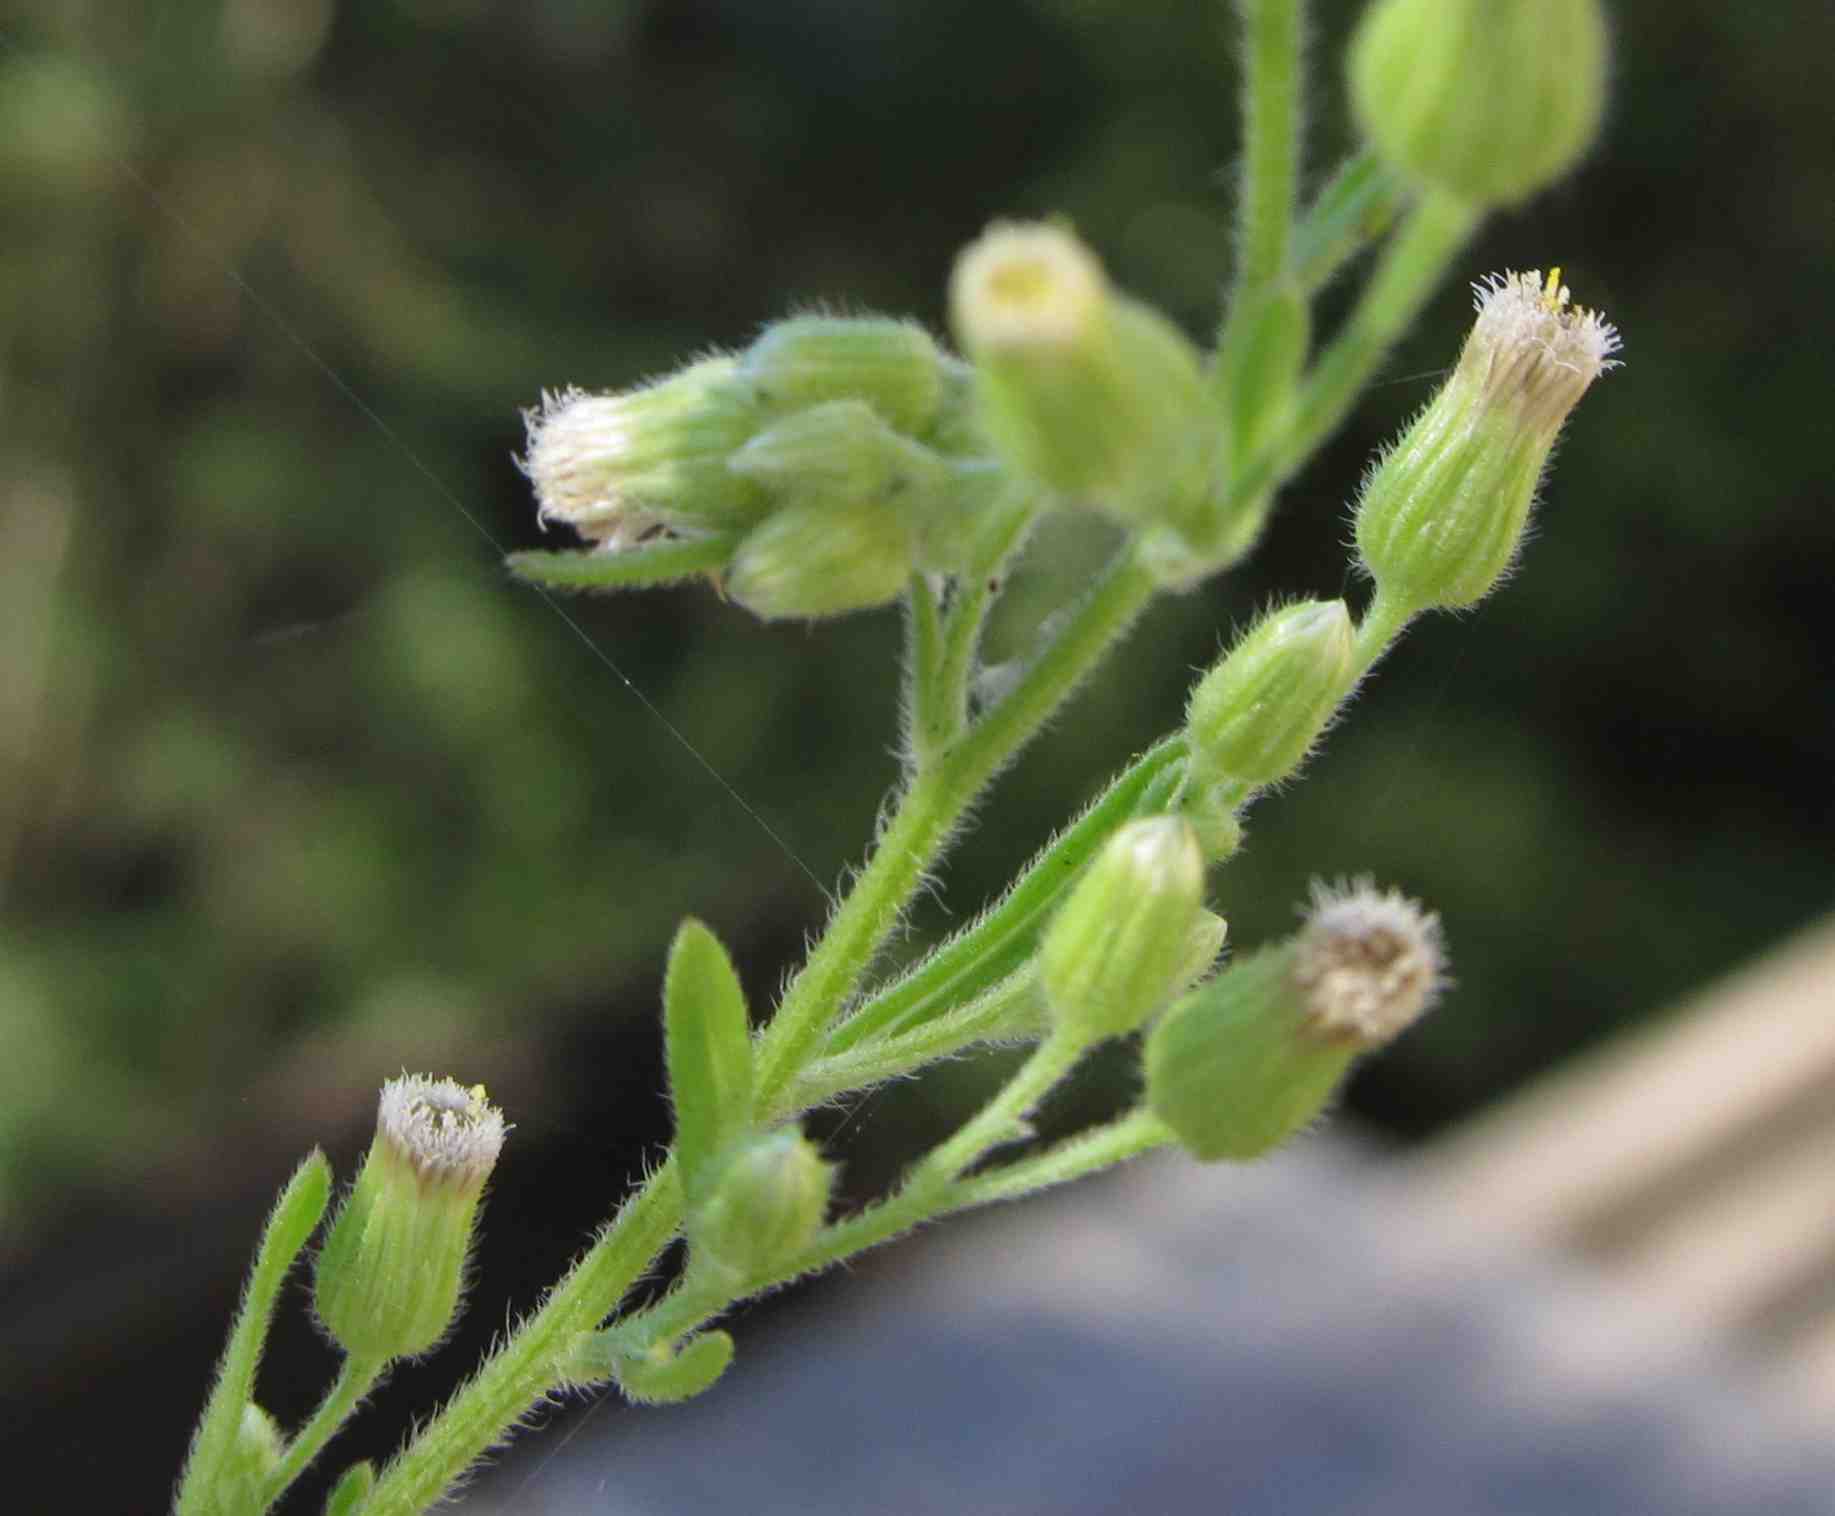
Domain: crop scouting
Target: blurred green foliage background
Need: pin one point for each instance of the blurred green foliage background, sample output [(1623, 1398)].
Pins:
[(296, 789)]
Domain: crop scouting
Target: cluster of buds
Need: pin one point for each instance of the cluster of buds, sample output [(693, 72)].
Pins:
[(807, 451)]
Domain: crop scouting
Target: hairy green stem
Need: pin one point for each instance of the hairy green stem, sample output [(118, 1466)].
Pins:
[(1077, 1157), (524, 1369), (1412, 266), (1378, 629), (1003, 937), (928, 813), (933, 725), (357, 1376), (1271, 139)]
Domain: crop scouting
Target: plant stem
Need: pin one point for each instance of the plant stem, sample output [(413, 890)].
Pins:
[(523, 1370), (1412, 266), (991, 1016), (640, 567), (932, 805), (932, 725), (1001, 939), (1002, 1119), (1102, 1147), (1378, 629), (357, 1375), (1271, 140)]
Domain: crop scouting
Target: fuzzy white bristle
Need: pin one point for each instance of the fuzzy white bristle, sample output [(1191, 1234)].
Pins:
[(1533, 345), (1368, 963), (441, 1127)]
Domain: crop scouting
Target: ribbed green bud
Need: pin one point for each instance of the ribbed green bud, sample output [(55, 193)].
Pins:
[(1489, 99), (765, 1208), (1254, 717), (1121, 943), (614, 467), (393, 1267), (1442, 513), (1242, 1063), (1089, 393), (891, 365), (841, 453), (814, 560)]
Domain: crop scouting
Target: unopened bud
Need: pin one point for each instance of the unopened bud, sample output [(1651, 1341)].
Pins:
[(252, 1458), (841, 453), (1120, 945), (614, 467), (1442, 513), (393, 1267), (1488, 99), (1244, 1062), (814, 560), (1082, 389), (1258, 712), (891, 365), (765, 1208)]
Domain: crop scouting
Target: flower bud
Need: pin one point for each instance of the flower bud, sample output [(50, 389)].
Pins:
[(1489, 99), (1257, 713), (841, 453), (1442, 513), (814, 560), (1126, 936), (253, 1456), (393, 1267), (892, 366), (765, 1208), (1240, 1064), (613, 467), (1089, 393)]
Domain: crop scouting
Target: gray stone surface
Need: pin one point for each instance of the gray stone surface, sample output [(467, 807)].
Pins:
[(1276, 1341)]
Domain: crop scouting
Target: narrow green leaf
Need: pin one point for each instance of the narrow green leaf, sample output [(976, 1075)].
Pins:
[(655, 1379), (652, 563), (709, 1046), (352, 1488), (1357, 206), (295, 1215)]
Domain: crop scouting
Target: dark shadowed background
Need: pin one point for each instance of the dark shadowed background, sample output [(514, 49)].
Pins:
[(297, 789)]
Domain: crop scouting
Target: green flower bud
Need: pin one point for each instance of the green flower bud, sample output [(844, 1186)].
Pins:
[(893, 366), (1242, 1063), (1090, 393), (1442, 513), (393, 1267), (1254, 717), (1127, 936), (764, 1209), (1488, 99), (841, 453), (615, 467), (815, 560)]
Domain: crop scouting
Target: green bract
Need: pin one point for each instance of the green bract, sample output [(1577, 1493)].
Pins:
[(892, 366)]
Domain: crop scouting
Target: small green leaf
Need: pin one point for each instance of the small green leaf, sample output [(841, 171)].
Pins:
[(353, 1487), (653, 563), (654, 1376), (214, 1449), (709, 1046)]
